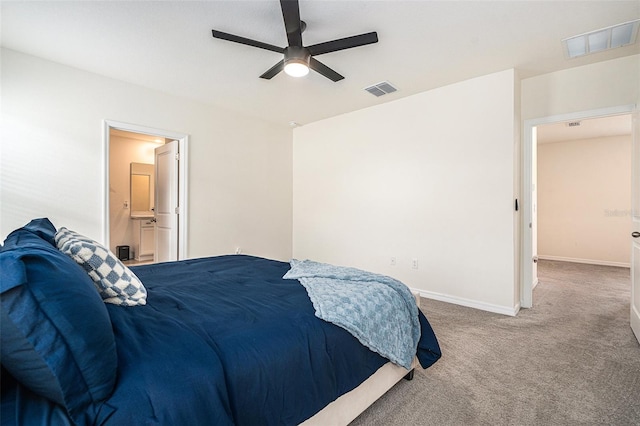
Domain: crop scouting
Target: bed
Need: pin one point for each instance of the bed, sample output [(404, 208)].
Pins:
[(222, 340)]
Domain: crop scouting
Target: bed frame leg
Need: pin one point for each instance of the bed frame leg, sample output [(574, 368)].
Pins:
[(409, 375)]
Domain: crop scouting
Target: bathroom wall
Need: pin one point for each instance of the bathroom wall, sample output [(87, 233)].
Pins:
[(124, 151)]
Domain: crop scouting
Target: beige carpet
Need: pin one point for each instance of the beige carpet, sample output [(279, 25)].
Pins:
[(571, 360)]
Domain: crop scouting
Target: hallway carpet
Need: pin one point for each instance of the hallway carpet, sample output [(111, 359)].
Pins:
[(570, 360)]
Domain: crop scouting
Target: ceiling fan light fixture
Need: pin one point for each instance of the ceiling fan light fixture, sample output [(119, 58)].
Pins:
[(296, 61), (296, 68)]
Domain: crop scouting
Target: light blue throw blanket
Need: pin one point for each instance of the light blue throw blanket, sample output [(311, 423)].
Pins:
[(378, 310)]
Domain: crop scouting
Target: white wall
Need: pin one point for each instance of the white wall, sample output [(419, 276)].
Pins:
[(431, 177), (53, 158), (584, 200), (601, 85)]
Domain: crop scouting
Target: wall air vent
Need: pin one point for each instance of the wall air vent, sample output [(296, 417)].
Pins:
[(573, 123), (380, 89)]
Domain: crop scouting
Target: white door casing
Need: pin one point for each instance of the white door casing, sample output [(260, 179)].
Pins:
[(635, 220), (166, 196), (534, 207)]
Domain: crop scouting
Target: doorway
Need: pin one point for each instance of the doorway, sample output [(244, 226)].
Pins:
[(530, 191), (583, 191), (130, 224)]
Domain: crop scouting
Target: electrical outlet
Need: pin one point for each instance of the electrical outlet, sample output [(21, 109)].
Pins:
[(126, 204), (414, 263), (238, 250), (392, 261)]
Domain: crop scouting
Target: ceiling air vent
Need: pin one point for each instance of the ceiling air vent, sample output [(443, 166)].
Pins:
[(380, 89), (603, 39)]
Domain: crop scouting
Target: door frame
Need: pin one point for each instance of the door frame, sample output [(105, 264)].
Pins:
[(183, 183), (526, 249), (635, 220)]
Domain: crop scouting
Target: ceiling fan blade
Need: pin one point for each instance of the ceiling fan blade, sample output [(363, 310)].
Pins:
[(248, 42), (291, 16), (321, 68), (343, 43), (271, 72)]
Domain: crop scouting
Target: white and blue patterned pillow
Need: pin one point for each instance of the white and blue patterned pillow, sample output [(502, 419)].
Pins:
[(116, 283)]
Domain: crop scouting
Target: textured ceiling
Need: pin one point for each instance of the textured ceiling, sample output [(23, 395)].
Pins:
[(423, 44)]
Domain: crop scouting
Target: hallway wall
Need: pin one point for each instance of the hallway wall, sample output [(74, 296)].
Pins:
[(584, 200)]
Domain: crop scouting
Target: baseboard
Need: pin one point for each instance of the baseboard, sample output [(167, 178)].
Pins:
[(635, 322), (587, 261), (504, 310)]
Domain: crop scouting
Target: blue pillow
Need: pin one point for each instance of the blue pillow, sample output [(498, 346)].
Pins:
[(38, 229), (56, 334), (43, 228)]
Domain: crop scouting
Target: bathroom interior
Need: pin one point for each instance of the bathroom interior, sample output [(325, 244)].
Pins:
[(131, 196)]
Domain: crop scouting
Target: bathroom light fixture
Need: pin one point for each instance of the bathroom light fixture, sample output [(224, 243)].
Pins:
[(296, 61), (603, 39)]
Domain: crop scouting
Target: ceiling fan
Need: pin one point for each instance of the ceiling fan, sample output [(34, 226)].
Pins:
[(298, 58)]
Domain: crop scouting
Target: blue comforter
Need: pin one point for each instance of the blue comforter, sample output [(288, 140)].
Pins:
[(222, 341)]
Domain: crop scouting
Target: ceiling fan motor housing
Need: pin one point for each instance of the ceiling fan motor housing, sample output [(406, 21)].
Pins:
[(296, 54)]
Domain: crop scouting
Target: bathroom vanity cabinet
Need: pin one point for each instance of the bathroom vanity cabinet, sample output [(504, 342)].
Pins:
[(144, 231)]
